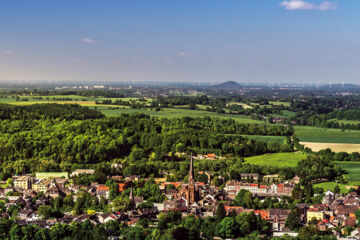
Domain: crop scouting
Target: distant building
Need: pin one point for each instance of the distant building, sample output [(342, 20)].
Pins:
[(271, 178), (159, 180), (78, 172), (23, 182), (249, 176), (41, 185), (53, 192), (315, 213)]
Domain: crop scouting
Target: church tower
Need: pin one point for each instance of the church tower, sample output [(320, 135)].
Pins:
[(191, 185), (132, 199)]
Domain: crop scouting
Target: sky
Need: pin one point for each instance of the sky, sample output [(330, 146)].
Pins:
[(278, 41)]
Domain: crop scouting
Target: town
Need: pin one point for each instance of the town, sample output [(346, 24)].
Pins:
[(30, 200)]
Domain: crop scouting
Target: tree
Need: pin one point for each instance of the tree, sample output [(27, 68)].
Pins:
[(227, 228), (45, 211), (293, 221), (120, 203), (68, 201), (15, 232), (208, 227), (248, 200), (357, 215), (180, 233), (220, 212), (193, 226)]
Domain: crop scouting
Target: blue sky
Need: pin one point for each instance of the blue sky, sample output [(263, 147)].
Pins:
[(180, 40)]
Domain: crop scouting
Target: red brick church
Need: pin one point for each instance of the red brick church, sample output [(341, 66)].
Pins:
[(190, 191)]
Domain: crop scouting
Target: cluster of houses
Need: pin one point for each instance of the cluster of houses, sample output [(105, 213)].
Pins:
[(274, 190), (334, 211), (193, 197)]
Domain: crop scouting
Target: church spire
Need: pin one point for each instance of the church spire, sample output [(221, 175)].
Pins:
[(191, 170), (132, 199), (191, 191)]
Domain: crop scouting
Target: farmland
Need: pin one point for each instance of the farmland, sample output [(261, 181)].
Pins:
[(335, 147), (343, 121), (277, 159), (352, 177), (111, 110), (353, 172), (175, 112), (287, 104), (327, 135)]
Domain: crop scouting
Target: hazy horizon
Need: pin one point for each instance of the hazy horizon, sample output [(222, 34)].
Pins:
[(278, 41)]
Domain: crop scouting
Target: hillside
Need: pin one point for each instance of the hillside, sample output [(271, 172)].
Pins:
[(229, 85)]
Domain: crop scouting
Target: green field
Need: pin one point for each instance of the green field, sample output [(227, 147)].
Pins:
[(244, 105), (326, 135), (287, 104), (331, 185), (353, 172), (175, 112), (277, 159), (352, 177), (354, 122), (113, 110)]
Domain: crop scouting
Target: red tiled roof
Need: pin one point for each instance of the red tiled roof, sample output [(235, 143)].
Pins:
[(264, 214), (313, 210), (103, 188)]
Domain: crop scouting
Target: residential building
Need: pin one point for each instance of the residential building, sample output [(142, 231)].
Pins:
[(41, 185), (315, 213), (23, 182), (78, 172)]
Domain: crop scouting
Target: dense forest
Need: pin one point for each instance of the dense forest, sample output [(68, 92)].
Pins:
[(39, 143), (41, 111)]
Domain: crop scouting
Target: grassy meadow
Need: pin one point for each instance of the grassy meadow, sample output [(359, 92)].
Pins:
[(327, 135), (353, 172), (331, 185), (113, 110), (344, 121), (277, 159), (352, 177)]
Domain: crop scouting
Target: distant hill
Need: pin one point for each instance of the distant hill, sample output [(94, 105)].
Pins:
[(229, 85)]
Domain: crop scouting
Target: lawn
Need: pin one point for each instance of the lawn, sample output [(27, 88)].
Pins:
[(277, 159), (331, 185), (326, 135)]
